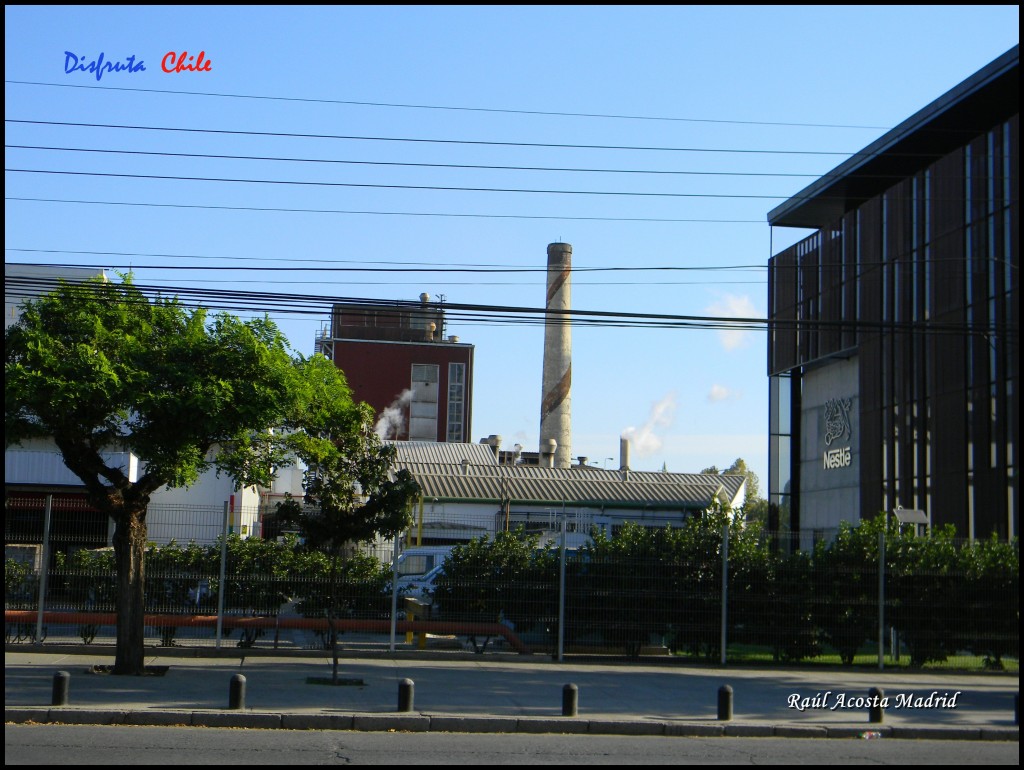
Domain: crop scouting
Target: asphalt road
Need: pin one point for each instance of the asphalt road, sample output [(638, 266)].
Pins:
[(99, 745)]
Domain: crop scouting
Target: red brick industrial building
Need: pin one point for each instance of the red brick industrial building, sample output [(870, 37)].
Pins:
[(396, 358)]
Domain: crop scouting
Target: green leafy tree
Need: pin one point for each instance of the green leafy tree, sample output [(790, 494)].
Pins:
[(923, 583), (781, 607), (506, 577), (739, 467), (697, 552), (991, 611), (351, 493), (20, 585), (625, 587), (100, 369), (757, 511), (754, 506), (751, 567), (362, 583), (846, 573)]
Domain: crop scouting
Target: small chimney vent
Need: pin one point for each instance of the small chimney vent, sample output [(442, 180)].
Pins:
[(548, 447)]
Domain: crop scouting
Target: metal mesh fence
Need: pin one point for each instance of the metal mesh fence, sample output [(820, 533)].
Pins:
[(702, 591)]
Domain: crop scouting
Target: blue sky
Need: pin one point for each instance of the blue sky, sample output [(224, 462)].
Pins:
[(822, 81)]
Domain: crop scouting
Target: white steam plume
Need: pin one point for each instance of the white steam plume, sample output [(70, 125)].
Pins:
[(391, 420), (643, 439)]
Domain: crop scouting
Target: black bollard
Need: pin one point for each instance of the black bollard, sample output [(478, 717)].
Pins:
[(406, 693), (236, 692), (875, 696), (570, 700), (61, 686), (725, 703)]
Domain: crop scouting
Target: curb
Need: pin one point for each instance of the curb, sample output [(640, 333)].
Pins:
[(486, 724)]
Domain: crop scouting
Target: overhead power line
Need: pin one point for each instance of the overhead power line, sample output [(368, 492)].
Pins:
[(422, 140), (538, 282), (497, 110), (421, 268), (324, 305), (435, 188), (361, 185), (459, 166), (462, 166), (396, 266), (416, 264), (366, 212)]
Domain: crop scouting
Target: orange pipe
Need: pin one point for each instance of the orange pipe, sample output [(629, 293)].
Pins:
[(457, 628)]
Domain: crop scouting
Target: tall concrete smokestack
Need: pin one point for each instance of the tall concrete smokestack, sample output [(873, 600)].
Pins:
[(555, 422)]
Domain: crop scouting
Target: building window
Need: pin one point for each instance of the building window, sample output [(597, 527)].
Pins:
[(456, 402), (423, 406), (780, 453)]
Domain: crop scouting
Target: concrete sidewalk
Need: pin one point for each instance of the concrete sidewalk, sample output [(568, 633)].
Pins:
[(507, 693)]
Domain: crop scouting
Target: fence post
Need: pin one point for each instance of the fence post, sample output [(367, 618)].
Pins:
[(394, 590), (881, 598), (561, 591), (725, 587), (223, 573), (44, 569)]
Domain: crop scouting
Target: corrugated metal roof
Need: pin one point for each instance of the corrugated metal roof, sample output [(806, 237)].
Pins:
[(448, 454), (441, 473)]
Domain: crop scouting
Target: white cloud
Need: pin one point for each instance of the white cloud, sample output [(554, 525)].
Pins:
[(732, 306), (719, 393)]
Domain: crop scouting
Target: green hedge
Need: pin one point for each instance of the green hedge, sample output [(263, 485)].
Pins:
[(648, 586), (643, 586), (260, 577)]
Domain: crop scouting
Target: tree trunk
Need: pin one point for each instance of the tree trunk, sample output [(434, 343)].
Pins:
[(330, 617), (129, 550), (334, 648)]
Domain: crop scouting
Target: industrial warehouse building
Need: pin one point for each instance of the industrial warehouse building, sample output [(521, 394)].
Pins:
[(470, 490), (893, 348)]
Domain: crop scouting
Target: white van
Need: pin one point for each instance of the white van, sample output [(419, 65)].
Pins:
[(417, 561), (421, 587)]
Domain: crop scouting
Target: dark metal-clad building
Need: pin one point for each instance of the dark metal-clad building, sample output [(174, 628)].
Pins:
[(893, 347)]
